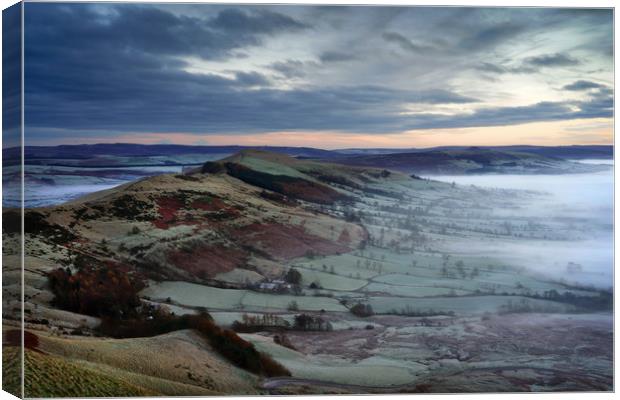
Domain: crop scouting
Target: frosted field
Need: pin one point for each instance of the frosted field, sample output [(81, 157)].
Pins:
[(413, 291), (253, 301), (239, 276), (372, 371), (344, 265), (194, 295), (461, 305), (331, 281)]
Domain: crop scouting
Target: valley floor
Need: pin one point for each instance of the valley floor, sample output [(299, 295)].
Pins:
[(443, 316)]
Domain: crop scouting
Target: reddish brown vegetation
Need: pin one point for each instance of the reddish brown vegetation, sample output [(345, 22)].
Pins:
[(205, 261), (13, 338), (310, 191), (98, 292), (178, 211), (345, 237), (218, 210), (168, 208), (285, 241), (362, 310), (210, 204), (240, 352)]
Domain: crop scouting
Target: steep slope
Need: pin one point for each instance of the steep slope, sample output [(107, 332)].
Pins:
[(209, 228), (310, 181)]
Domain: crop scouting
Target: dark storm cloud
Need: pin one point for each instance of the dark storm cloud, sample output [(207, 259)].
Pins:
[(122, 68), (492, 68), (551, 60), (405, 43), (236, 21), (336, 56), (530, 65), (151, 30), (251, 79), (600, 102), (501, 69), (599, 106), (290, 68), (583, 85), (490, 36), (11, 75)]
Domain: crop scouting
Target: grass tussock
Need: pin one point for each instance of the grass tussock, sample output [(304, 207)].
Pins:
[(51, 376)]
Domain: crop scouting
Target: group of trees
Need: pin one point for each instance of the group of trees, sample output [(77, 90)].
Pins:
[(293, 277), (307, 322), (458, 270), (362, 310), (256, 323), (272, 322), (100, 292), (409, 311)]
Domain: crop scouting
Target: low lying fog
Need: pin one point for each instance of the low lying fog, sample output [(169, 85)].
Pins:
[(585, 199)]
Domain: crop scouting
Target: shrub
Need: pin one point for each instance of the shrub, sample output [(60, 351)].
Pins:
[(129, 207), (293, 276), (227, 343), (362, 310), (293, 306), (315, 285)]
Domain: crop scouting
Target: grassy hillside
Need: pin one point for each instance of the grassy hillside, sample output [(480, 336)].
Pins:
[(179, 363), (267, 237)]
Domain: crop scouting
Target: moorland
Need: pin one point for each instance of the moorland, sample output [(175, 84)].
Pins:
[(259, 272)]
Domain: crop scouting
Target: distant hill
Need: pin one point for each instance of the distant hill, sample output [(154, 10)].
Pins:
[(519, 159), (474, 160), (104, 152), (567, 152)]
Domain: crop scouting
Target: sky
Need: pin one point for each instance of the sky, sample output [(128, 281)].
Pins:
[(318, 76)]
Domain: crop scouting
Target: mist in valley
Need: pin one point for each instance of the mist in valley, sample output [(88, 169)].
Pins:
[(578, 206)]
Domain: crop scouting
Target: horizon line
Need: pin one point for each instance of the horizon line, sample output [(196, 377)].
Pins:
[(307, 147)]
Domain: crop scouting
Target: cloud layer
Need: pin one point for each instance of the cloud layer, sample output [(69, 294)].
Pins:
[(214, 69)]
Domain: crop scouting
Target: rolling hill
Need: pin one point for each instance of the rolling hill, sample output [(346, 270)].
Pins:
[(224, 235), (472, 160)]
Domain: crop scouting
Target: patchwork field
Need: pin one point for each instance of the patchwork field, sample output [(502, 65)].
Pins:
[(354, 280)]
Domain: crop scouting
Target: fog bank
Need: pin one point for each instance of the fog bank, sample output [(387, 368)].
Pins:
[(581, 204)]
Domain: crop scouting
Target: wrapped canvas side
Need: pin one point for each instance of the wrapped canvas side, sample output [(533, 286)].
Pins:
[(12, 222)]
